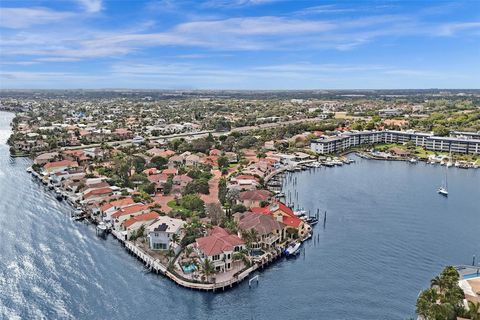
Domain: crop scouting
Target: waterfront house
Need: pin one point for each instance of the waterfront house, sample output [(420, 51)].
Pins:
[(254, 198), (269, 230), (219, 247), (398, 152), (128, 212), (58, 166), (285, 215), (92, 194), (162, 231), (110, 207), (134, 223), (45, 158)]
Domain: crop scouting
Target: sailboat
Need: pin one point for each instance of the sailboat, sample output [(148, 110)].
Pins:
[(443, 190)]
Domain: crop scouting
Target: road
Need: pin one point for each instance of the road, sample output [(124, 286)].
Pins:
[(199, 134)]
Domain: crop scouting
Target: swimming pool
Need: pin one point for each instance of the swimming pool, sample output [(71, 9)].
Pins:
[(256, 252), (471, 275), (189, 268)]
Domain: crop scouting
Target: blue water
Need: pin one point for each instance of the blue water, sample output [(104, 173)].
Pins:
[(471, 276), (388, 233), (189, 268)]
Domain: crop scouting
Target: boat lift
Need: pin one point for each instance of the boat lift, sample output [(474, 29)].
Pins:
[(252, 279)]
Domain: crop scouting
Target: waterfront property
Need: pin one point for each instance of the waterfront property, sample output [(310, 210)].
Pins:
[(285, 215), (162, 231), (348, 140), (219, 247), (269, 231)]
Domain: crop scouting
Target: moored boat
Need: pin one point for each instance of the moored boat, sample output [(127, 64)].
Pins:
[(293, 249)]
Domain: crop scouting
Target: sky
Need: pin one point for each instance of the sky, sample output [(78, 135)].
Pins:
[(239, 44)]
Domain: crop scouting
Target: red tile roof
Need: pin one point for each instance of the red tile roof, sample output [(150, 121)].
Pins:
[(288, 217), (160, 177), (170, 171), (255, 195), (218, 242), (117, 203), (129, 210), (215, 152), (97, 192), (63, 163), (152, 215)]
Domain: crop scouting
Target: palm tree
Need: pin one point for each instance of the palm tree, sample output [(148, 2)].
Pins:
[(474, 310), (438, 282), (425, 303), (188, 251), (175, 238), (170, 255), (208, 268)]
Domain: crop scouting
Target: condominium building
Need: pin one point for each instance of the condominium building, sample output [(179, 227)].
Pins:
[(348, 140)]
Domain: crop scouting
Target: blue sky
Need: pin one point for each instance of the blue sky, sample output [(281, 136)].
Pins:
[(239, 44)]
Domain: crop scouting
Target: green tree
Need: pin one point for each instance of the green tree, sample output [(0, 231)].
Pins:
[(159, 162)]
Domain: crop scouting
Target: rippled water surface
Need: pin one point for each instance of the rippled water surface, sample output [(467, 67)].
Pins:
[(387, 234)]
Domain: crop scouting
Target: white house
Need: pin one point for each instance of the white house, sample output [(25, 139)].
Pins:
[(162, 231)]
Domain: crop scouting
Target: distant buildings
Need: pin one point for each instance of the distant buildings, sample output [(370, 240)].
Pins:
[(346, 141)]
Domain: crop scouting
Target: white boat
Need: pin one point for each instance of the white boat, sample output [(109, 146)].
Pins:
[(413, 160), (293, 249), (101, 229), (29, 169), (449, 164), (443, 190), (300, 213)]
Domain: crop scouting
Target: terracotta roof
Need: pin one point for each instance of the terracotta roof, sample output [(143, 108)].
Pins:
[(129, 210), (170, 171), (215, 152), (160, 177), (255, 195), (288, 217), (117, 203), (97, 192), (152, 215), (262, 223), (218, 242), (63, 163)]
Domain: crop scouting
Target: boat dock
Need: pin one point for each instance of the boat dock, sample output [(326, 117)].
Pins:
[(156, 266)]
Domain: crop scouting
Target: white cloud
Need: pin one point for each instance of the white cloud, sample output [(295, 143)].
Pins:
[(450, 29), (18, 18), (236, 3), (91, 6)]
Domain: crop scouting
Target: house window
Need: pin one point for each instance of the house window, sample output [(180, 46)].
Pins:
[(156, 234), (216, 257), (159, 246), (228, 265)]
